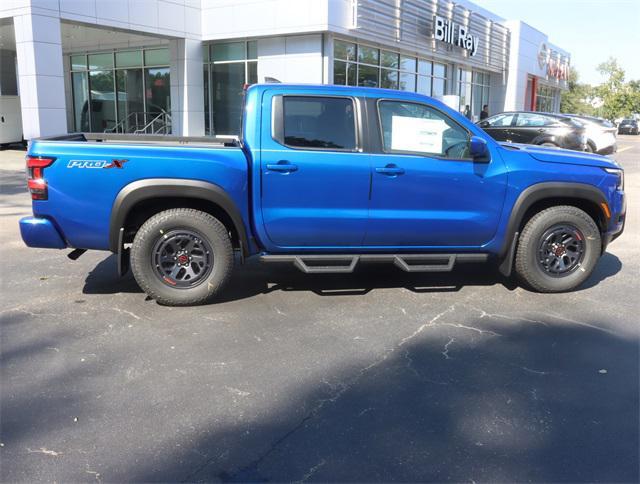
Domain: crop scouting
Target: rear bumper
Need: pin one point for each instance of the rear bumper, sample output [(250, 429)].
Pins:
[(41, 232)]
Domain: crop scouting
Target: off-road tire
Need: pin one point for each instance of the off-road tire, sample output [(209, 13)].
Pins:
[(527, 265), (209, 229)]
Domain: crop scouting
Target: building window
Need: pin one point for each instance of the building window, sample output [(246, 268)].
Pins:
[(121, 91), (473, 89), (545, 99), (361, 65), (227, 68)]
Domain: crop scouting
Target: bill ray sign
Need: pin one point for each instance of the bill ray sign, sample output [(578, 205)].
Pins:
[(452, 33)]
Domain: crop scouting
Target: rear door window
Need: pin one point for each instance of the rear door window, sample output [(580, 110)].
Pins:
[(319, 122), (532, 120)]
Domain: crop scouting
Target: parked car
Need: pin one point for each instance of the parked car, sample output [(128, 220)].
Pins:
[(536, 129), (324, 177), (628, 126), (601, 134)]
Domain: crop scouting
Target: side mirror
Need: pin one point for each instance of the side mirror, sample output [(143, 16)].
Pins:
[(479, 150)]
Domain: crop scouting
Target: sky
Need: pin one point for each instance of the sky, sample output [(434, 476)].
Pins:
[(590, 30)]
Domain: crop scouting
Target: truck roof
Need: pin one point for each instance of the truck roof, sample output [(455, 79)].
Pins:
[(344, 90)]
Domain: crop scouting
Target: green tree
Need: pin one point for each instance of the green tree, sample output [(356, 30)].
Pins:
[(634, 87), (619, 99), (576, 99)]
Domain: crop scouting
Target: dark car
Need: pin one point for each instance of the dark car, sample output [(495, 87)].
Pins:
[(628, 126), (537, 129)]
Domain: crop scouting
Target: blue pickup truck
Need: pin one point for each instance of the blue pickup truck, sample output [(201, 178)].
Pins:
[(325, 178)]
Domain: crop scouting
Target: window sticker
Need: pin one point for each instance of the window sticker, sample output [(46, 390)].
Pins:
[(417, 134)]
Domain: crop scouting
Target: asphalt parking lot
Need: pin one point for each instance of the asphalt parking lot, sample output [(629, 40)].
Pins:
[(375, 376)]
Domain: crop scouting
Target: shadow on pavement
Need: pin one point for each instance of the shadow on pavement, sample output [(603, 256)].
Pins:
[(465, 400), (462, 397), (254, 278)]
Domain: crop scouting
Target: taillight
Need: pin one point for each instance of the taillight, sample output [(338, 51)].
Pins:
[(36, 182)]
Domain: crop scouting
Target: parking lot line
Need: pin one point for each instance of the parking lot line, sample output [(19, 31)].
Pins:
[(624, 149)]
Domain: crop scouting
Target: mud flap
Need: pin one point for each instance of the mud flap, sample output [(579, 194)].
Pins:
[(122, 255)]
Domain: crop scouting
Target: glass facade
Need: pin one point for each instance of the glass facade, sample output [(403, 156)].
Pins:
[(121, 90), (473, 89), (361, 65), (227, 68), (545, 99)]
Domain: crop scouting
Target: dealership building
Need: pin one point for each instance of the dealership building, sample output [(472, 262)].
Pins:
[(179, 66)]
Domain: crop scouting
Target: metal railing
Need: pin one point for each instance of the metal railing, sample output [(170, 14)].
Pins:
[(143, 123), (161, 124)]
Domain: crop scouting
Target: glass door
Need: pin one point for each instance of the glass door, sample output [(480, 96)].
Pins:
[(157, 93), (103, 105), (80, 87), (130, 93)]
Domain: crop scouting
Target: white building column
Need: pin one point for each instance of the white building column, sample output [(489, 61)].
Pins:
[(40, 75), (187, 87)]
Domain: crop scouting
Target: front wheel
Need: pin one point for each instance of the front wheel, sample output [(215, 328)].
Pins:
[(182, 257), (558, 249)]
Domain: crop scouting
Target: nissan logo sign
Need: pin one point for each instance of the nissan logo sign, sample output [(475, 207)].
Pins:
[(543, 55)]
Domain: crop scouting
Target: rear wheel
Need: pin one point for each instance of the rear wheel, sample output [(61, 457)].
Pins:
[(182, 257), (558, 249)]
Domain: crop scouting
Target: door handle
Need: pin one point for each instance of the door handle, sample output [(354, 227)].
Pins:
[(391, 170), (282, 166)]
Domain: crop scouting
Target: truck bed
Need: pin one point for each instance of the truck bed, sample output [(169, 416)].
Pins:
[(91, 169)]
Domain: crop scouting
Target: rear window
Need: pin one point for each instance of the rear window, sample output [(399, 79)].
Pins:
[(319, 122), (576, 123)]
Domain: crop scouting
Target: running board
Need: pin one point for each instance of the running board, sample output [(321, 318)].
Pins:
[(346, 263)]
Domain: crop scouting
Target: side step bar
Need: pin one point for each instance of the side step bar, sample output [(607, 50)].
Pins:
[(346, 263)]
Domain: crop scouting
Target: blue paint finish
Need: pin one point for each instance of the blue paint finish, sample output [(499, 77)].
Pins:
[(41, 232), (334, 201), (81, 199), (436, 202)]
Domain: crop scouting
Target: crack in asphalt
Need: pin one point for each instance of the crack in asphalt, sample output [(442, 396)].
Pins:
[(248, 472)]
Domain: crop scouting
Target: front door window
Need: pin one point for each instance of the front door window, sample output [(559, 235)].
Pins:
[(417, 128)]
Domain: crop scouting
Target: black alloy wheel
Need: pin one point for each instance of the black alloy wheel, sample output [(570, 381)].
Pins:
[(561, 250), (182, 259)]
